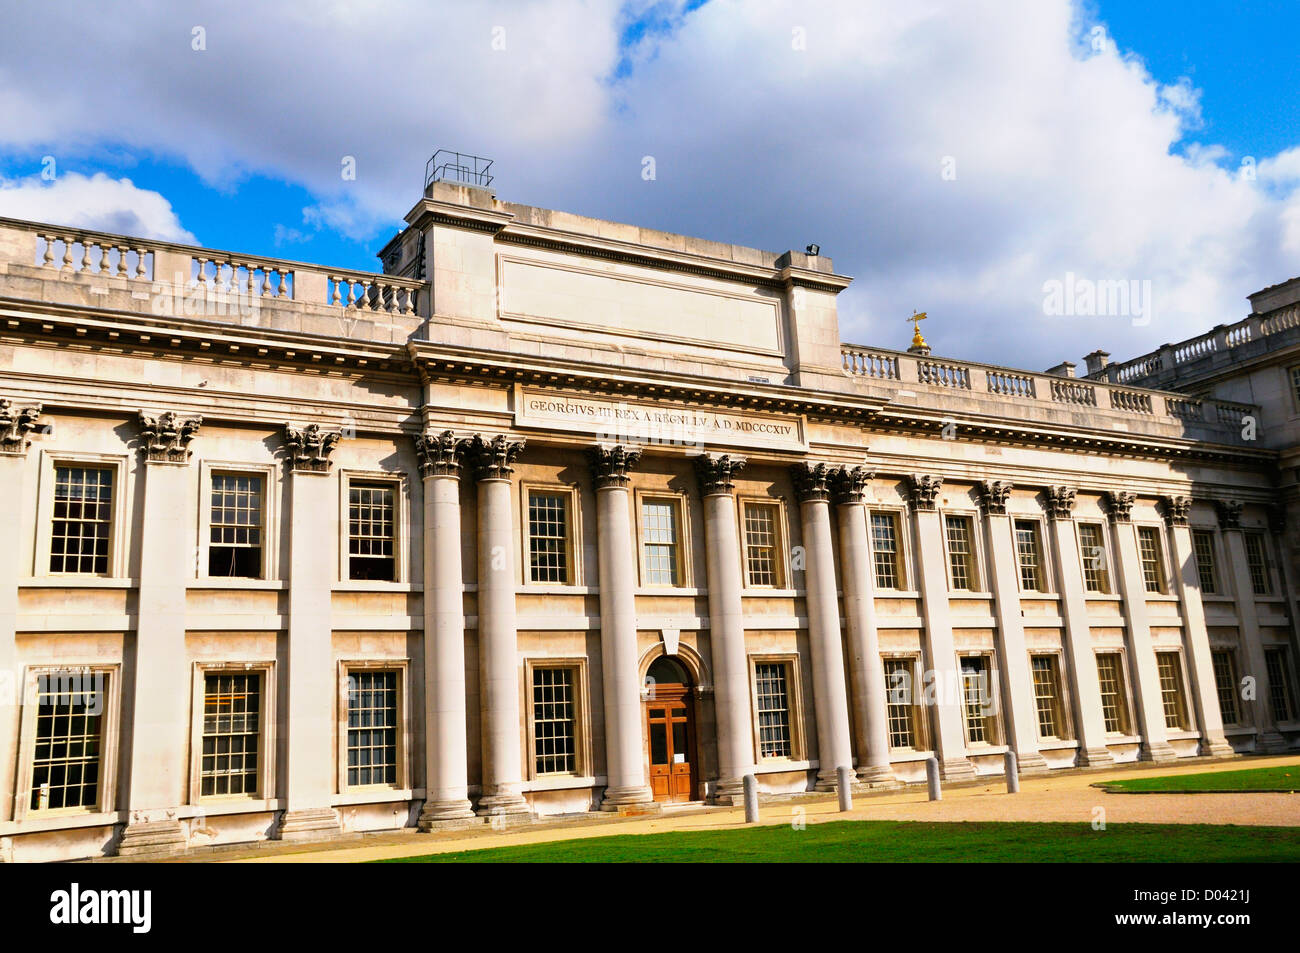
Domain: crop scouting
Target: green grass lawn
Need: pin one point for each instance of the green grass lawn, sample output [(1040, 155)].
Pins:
[(1283, 778), (910, 841)]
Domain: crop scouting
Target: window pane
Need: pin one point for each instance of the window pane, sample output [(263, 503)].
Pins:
[(372, 531), (548, 537), (884, 544), (69, 721), (1047, 696), (1092, 550), (232, 708), (1279, 685), (372, 728), (773, 710), (760, 544), (554, 721), (235, 526), (1203, 545), (1114, 706), (960, 555), (83, 513), (1153, 576), (659, 528), (1029, 553), (1257, 561), (977, 696)]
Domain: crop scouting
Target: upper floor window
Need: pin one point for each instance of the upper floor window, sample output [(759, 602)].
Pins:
[(372, 531), (1295, 384), (1092, 550), (1206, 570), (235, 526), (1257, 562), (1029, 552), (550, 554), (763, 545), (1153, 574), (1170, 669), (961, 552), (661, 542), (82, 530), (1225, 684), (886, 551)]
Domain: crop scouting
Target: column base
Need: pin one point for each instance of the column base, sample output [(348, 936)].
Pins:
[(310, 823), (502, 804), (152, 837), (449, 814), (877, 776), (1031, 763), (1094, 758), (631, 799), (1157, 752), (730, 791), (1271, 742), (956, 769), (1217, 748)]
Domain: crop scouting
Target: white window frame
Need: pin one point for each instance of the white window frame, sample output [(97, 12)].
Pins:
[(401, 525), (1184, 689), (118, 540), (794, 699), (571, 491), (266, 740), (270, 538), (582, 762), (685, 574), (781, 561), (402, 667), (110, 721)]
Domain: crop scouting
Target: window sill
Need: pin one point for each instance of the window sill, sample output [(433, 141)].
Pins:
[(1040, 596), (780, 765), (1160, 597), (908, 755), (373, 585), (1241, 730), (671, 591), (216, 806), (1102, 597), (1057, 744), (896, 593), (1123, 740), (375, 795), (223, 582), (542, 589), (756, 592), (983, 751), (969, 594), (78, 582), (34, 822), (563, 782), (1181, 735), (1211, 597)]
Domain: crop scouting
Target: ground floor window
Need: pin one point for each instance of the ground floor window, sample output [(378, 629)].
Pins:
[(1225, 683), (232, 734), (900, 696), (67, 764), (977, 698), (1170, 668), (1279, 685), (772, 690), (555, 721), (1114, 700), (374, 719), (1047, 696)]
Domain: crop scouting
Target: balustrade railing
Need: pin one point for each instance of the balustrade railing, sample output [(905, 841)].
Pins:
[(864, 363), (88, 253), (1009, 384), (943, 374), (1074, 392)]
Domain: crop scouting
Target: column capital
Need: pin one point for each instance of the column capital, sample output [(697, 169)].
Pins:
[(993, 496), (310, 448), (15, 423), (612, 464), (493, 458), (812, 481), (166, 437), (1229, 513), (1175, 510), (1060, 502), (1119, 505), (850, 483), (440, 454), (923, 490), (716, 472)]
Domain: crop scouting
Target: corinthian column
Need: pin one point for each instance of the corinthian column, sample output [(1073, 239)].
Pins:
[(871, 717), (1085, 687), (1151, 712), (727, 625), (834, 749), (497, 638), (624, 746), (1017, 683), (160, 709), (446, 773), (1204, 690)]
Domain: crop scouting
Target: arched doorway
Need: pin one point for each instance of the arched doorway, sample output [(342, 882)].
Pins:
[(670, 730)]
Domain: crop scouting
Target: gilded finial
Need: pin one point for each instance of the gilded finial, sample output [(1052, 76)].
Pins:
[(918, 342)]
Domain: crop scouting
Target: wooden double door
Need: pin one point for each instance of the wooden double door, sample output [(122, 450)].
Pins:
[(670, 730)]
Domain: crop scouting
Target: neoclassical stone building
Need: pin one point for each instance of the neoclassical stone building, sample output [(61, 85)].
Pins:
[(558, 515)]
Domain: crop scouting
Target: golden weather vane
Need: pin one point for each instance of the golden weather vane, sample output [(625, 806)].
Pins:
[(916, 319)]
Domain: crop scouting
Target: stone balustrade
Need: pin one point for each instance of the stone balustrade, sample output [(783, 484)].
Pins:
[(93, 253), (246, 276), (867, 363), (369, 292)]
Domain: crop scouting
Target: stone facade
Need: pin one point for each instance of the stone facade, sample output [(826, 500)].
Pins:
[(305, 551)]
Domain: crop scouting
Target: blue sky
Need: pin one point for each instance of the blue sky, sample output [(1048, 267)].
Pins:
[(1119, 161)]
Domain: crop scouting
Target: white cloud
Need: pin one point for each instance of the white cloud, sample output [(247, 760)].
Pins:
[(771, 123), (98, 203)]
